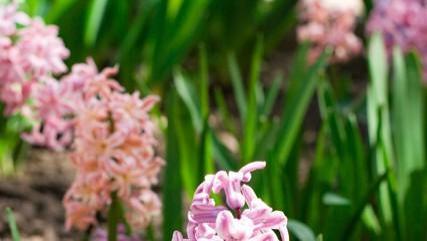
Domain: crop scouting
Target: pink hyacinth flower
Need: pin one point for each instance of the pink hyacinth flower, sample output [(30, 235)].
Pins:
[(401, 23), (256, 222), (330, 23), (113, 147), (39, 51)]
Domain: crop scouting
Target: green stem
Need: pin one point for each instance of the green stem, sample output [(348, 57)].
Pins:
[(115, 214)]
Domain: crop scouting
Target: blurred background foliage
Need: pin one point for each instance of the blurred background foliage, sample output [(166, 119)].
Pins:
[(362, 175), (147, 38)]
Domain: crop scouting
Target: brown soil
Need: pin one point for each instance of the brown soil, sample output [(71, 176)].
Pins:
[(35, 194)]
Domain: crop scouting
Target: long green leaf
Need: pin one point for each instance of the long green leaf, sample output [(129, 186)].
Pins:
[(378, 125), (409, 142), (251, 120), (58, 8), (12, 225), (115, 216), (172, 185), (295, 109), (94, 20), (272, 95), (238, 89), (301, 231), (188, 95)]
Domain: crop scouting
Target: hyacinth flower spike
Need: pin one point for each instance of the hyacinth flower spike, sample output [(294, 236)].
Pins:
[(330, 23), (245, 216), (113, 150), (401, 23)]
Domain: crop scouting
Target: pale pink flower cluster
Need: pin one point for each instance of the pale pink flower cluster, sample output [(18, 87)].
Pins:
[(330, 23), (53, 110), (113, 150), (402, 23), (30, 52), (244, 217)]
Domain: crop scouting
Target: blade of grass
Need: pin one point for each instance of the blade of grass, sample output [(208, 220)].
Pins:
[(223, 110), (172, 186), (290, 124), (251, 120), (114, 216), (204, 82), (409, 142), (58, 8), (187, 144), (12, 225), (94, 20), (272, 95), (238, 89), (377, 103), (188, 95), (301, 231), (346, 234), (295, 108), (205, 152)]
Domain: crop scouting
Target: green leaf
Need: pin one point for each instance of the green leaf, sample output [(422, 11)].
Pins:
[(94, 20), (58, 8), (188, 95), (115, 215), (378, 119), (172, 36), (172, 185), (12, 225), (204, 82), (371, 221), (295, 108), (238, 89), (361, 207), (301, 231), (303, 85), (224, 113), (409, 142), (272, 95), (333, 199), (251, 120), (206, 152)]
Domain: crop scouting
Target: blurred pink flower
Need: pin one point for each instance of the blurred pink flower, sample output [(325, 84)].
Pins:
[(55, 104), (330, 23), (53, 114), (401, 23), (113, 138), (30, 53), (9, 18), (39, 51), (207, 221)]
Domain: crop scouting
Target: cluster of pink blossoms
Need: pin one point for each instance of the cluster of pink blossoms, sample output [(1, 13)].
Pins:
[(402, 23), (330, 23), (109, 131), (113, 150), (244, 218), (30, 54)]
